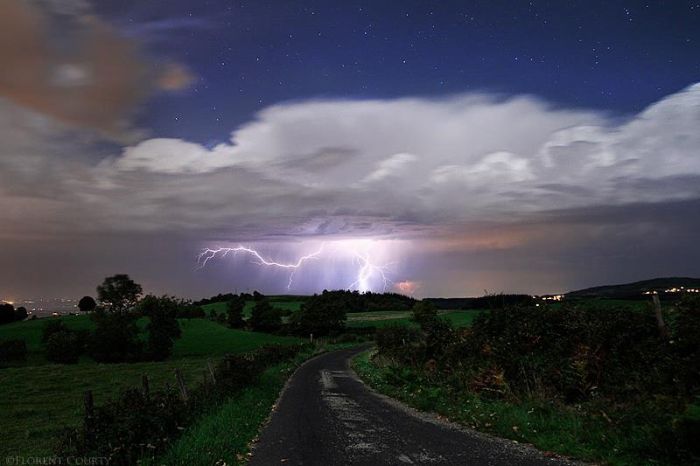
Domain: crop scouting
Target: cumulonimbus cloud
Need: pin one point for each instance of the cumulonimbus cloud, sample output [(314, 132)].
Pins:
[(391, 167), (445, 160)]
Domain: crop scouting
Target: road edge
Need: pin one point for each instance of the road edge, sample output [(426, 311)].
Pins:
[(513, 446)]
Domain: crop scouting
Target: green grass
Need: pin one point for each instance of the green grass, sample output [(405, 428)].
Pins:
[(37, 402), (291, 303), (202, 337), (385, 318), (38, 399), (223, 437), (548, 426), (30, 330)]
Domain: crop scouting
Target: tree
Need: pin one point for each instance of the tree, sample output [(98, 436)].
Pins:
[(163, 328), (87, 304), (323, 314), (21, 313), (115, 338), (265, 318), (234, 313), (118, 294), (7, 313)]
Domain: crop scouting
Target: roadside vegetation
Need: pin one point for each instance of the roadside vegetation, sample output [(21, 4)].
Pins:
[(598, 384)]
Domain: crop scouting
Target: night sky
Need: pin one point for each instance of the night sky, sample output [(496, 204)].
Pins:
[(434, 148)]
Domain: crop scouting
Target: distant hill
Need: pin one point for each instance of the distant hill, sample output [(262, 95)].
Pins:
[(636, 289)]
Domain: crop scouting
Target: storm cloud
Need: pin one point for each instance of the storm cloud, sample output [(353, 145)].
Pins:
[(497, 191)]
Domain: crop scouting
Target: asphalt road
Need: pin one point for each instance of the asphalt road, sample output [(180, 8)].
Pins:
[(326, 417)]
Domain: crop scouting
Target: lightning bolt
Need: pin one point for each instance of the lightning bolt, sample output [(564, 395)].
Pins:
[(207, 254), (366, 271), (357, 249)]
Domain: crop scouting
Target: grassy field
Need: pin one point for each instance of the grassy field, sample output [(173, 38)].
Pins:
[(384, 318), (39, 399)]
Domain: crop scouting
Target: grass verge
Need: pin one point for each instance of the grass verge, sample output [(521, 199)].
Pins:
[(224, 436), (547, 426)]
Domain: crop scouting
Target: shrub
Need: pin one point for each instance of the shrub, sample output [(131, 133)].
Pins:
[(51, 327), (139, 425), (265, 318), (12, 351), (63, 347), (424, 312), (400, 342)]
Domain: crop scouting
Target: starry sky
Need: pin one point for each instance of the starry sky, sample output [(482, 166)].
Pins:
[(446, 147)]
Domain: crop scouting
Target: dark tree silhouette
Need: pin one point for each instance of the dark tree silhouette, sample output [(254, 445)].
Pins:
[(7, 313), (323, 314), (21, 313), (265, 318), (118, 294), (234, 313), (87, 304), (163, 327)]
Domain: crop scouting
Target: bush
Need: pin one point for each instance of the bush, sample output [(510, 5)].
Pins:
[(12, 351), (51, 327), (424, 312), (139, 425), (63, 347), (400, 342), (265, 318)]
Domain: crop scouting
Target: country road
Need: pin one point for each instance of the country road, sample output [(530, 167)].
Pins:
[(326, 417)]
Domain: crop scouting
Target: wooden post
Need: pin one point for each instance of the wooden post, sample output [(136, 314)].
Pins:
[(145, 386), (212, 374), (663, 329), (181, 385)]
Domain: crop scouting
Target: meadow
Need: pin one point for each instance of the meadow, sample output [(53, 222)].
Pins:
[(381, 319), (38, 399)]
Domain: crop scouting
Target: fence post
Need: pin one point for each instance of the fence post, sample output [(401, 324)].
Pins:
[(210, 366), (181, 384), (145, 386)]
